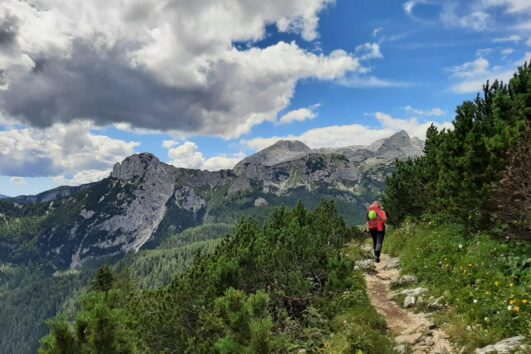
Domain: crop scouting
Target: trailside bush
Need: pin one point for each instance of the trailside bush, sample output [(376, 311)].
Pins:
[(486, 283)]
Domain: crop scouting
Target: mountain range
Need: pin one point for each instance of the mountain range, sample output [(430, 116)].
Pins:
[(144, 200)]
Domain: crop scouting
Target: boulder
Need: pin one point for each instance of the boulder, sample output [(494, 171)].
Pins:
[(404, 280), (366, 265), (506, 346), (393, 263), (400, 349), (413, 292), (409, 301)]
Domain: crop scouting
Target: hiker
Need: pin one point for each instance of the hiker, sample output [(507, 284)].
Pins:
[(376, 219)]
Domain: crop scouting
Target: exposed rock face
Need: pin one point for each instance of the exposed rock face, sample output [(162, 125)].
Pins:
[(281, 151), (186, 198)]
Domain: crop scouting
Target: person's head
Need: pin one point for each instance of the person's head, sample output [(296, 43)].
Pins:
[(377, 204)]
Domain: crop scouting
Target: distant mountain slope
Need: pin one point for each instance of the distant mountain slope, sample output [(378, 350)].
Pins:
[(144, 200), (3, 196)]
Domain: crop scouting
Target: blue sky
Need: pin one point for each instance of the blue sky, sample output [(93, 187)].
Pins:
[(203, 85)]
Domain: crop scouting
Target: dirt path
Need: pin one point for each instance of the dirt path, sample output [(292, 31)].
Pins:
[(414, 332)]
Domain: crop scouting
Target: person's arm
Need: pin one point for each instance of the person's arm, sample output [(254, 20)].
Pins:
[(382, 215)]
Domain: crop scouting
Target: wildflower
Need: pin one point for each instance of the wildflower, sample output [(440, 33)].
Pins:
[(524, 301), (511, 285), (497, 283), (460, 246), (512, 302), (475, 301), (516, 309), (509, 308), (486, 319)]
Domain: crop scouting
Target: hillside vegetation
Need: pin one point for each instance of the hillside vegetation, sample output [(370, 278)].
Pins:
[(464, 215), (458, 178), (281, 287)]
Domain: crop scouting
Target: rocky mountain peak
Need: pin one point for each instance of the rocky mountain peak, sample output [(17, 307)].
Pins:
[(281, 151), (134, 166)]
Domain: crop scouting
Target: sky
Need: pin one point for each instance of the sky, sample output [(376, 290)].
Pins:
[(204, 83)]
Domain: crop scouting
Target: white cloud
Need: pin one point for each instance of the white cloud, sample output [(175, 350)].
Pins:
[(512, 6), (353, 134), (299, 115), (356, 81), (17, 180), (434, 112), (475, 74), (477, 21), (187, 155), (81, 177), (514, 38), (474, 85), (470, 69), (507, 51), (123, 60), (376, 31), (409, 6), (369, 51), (59, 150), (528, 42)]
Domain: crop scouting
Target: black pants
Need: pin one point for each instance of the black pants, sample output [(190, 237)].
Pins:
[(377, 241)]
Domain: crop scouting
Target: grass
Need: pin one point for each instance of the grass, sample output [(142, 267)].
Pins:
[(485, 282)]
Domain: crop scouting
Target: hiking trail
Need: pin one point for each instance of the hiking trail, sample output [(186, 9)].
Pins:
[(414, 332)]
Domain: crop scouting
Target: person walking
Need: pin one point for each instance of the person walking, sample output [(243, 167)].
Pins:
[(376, 219)]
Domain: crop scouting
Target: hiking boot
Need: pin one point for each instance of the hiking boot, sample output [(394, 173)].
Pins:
[(377, 259)]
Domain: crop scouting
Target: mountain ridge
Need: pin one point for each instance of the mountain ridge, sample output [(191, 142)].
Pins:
[(144, 200)]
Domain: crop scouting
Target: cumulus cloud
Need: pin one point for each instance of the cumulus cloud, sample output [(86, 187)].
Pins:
[(353, 134), (299, 115), (59, 150), (160, 65), (434, 112), (187, 155)]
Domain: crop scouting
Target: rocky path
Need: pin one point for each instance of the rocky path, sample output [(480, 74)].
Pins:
[(414, 332)]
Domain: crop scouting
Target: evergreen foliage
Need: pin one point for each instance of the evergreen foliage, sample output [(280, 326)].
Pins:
[(455, 176), (260, 291)]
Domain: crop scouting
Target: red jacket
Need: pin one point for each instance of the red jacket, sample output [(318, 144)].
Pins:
[(381, 218)]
